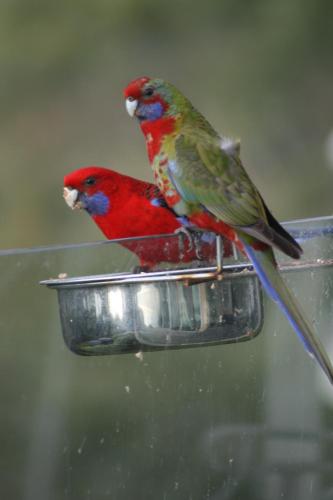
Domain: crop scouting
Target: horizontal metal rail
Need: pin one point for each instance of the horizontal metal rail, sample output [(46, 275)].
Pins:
[(195, 274)]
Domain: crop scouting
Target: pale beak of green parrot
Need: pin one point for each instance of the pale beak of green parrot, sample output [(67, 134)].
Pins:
[(131, 105), (71, 198)]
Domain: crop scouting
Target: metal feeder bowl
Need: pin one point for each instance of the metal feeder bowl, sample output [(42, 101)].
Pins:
[(121, 313)]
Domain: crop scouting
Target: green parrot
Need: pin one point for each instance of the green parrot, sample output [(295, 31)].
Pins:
[(202, 177)]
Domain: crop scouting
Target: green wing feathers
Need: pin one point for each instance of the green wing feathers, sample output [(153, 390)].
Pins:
[(216, 178)]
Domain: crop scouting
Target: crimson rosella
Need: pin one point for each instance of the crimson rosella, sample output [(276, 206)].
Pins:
[(201, 177), (124, 207)]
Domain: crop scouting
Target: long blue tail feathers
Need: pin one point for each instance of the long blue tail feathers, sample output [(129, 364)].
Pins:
[(279, 292)]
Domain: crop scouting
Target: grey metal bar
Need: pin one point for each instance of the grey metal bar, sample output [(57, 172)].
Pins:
[(229, 271)]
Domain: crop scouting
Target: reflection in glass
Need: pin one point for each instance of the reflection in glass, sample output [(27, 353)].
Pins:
[(116, 305)]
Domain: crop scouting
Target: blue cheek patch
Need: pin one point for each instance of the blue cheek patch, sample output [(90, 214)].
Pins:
[(97, 204), (151, 112)]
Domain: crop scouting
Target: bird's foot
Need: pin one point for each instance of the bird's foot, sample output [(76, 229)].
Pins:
[(193, 239)]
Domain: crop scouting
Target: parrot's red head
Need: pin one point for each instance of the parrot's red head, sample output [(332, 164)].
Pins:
[(135, 89), (159, 107), (91, 188), (149, 99)]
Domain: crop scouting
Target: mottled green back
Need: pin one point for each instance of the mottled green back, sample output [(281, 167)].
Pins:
[(208, 174)]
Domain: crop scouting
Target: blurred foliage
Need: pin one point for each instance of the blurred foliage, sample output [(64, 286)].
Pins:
[(259, 70)]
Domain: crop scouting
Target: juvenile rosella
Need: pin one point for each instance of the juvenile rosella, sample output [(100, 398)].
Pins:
[(201, 176), (124, 207)]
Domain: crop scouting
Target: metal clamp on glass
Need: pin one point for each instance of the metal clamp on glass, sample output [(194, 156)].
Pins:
[(121, 313)]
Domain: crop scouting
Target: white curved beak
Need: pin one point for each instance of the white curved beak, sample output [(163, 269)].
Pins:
[(131, 105), (70, 197)]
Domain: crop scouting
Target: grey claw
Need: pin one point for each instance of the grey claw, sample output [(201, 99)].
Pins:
[(183, 232)]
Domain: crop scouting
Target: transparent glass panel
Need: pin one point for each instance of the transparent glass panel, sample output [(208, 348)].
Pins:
[(247, 420)]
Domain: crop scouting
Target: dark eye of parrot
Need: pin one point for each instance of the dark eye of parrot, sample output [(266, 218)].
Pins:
[(90, 181), (148, 91)]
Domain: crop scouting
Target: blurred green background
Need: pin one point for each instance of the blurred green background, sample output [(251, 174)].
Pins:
[(239, 421), (261, 71)]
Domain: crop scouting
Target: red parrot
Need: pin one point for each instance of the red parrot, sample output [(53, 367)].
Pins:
[(124, 207)]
